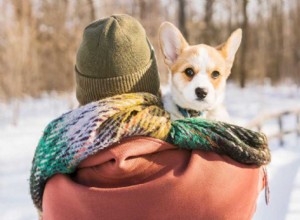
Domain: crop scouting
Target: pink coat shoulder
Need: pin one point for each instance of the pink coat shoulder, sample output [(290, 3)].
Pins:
[(145, 178)]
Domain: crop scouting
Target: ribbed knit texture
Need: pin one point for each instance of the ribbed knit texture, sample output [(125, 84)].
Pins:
[(92, 89), (84, 131)]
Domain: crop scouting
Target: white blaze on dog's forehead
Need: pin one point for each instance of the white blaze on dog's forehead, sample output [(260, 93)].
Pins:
[(203, 61), (203, 58)]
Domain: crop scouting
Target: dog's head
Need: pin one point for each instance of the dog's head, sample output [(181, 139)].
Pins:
[(198, 72)]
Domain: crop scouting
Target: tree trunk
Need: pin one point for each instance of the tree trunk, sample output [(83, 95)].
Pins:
[(280, 44), (143, 9), (243, 52), (207, 34), (296, 45), (92, 10), (182, 18)]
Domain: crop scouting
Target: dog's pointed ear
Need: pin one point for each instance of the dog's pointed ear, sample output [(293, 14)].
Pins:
[(171, 42), (230, 47)]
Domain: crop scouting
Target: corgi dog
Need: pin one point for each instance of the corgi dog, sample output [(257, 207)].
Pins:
[(198, 74)]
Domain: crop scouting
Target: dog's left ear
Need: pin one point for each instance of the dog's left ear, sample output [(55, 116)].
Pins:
[(230, 47)]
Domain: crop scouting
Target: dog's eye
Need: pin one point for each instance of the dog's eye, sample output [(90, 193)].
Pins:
[(215, 74), (189, 72)]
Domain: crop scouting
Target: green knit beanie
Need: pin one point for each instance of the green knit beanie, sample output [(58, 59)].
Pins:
[(115, 57)]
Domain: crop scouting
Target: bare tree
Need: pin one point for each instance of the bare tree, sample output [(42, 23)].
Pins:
[(277, 14), (244, 45), (39, 38), (208, 16), (182, 18), (143, 9), (295, 46), (92, 10)]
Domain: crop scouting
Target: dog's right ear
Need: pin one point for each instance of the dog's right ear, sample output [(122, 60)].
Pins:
[(171, 42), (230, 47)]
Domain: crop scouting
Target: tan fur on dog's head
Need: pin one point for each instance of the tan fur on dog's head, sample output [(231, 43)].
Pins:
[(198, 72)]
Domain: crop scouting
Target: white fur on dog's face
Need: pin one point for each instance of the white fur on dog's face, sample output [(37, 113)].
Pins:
[(183, 88), (203, 60)]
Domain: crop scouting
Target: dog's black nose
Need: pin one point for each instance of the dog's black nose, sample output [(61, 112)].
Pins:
[(201, 92)]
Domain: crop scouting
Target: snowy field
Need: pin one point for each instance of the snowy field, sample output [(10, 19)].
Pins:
[(19, 137)]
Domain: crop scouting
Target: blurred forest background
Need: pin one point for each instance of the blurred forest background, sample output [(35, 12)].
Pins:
[(39, 38)]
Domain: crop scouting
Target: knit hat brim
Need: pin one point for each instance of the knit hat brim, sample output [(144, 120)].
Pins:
[(93, 89)]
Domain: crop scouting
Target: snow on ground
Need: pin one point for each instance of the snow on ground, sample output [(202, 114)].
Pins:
[(284, 170), (17, 145), (18, 139)]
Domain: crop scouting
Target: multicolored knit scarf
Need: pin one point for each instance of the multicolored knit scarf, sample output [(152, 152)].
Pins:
[(82, 132)]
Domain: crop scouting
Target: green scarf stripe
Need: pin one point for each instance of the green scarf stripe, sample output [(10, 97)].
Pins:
[(84, 131), (241, 144)]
